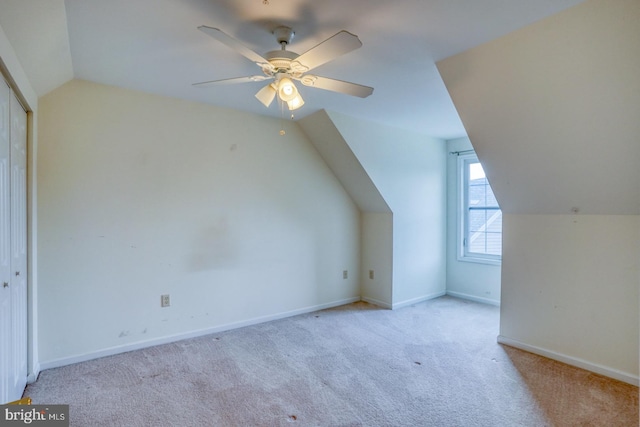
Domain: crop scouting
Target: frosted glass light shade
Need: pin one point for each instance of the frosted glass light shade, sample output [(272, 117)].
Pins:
[(286, 89), (266, 94), (295, 103)]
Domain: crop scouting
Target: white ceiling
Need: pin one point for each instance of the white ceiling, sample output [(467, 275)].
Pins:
[(154, 46)]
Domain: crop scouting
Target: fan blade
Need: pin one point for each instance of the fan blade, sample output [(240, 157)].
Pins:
[(334, 85), (234, 80), (233, 44), (333, 47)]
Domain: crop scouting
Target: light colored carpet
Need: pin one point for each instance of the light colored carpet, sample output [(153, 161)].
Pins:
[(436, 363)]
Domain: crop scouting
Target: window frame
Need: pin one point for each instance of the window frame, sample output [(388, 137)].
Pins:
[(463, 215)]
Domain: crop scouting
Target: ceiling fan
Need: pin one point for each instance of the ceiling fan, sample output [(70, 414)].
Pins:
[(283, 66)]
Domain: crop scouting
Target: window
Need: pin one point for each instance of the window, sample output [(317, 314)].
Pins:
[(480, 230)]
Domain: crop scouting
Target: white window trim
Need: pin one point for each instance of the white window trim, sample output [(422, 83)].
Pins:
[(462, 212)]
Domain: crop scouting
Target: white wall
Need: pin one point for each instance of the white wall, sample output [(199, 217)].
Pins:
[(142, 195), (572, 289), (409, 171), (377, 219), (470, 280), (377, 255)]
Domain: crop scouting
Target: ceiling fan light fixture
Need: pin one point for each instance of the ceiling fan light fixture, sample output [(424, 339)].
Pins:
[(267, 94), (283, 66), (287, 91)]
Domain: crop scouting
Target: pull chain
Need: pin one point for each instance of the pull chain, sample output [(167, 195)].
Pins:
[(282, 132)]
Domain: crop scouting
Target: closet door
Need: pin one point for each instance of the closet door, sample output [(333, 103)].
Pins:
[(5, 246), (18, 181), (13, 246)]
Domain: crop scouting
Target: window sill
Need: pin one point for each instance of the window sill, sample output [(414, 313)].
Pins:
[(479, 260)]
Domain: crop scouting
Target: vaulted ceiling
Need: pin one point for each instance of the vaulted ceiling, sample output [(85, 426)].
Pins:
[(154, 46)]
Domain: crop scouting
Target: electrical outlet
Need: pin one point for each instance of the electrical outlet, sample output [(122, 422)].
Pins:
[(345, 274), (371, 274), (165, 301)]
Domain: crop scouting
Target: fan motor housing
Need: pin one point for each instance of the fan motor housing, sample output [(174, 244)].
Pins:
[(284, 60), (280, 55)]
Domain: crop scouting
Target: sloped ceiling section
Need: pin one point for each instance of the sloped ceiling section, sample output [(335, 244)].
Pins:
[(553, 110), (37, 30), (336, 153)]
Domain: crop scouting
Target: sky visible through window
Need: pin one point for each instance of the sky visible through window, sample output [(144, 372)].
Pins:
[(476, 171)]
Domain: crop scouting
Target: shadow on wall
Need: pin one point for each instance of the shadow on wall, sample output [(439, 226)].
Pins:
[(214, 248)]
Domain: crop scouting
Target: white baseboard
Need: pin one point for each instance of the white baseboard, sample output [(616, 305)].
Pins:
[(186, 335), (374, 301), (412, 301), (473, 298), (573, 361)]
